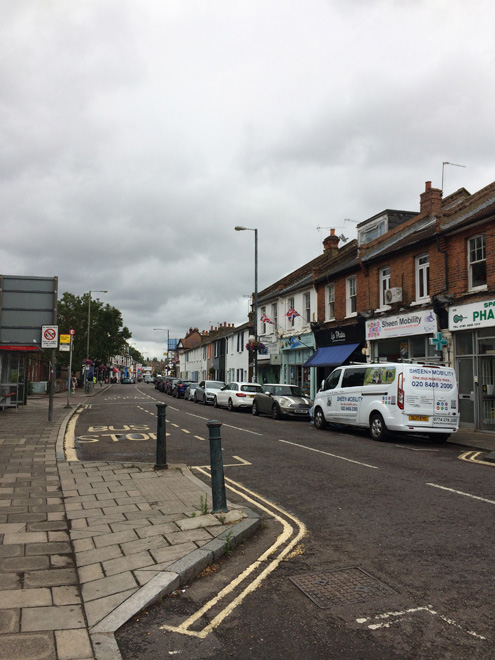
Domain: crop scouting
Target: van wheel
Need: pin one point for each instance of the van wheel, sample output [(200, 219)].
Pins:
[(439, 437), (254, 409), (378, 430), (276, 414), (320, 421)]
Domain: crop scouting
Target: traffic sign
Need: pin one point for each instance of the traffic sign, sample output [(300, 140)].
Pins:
[(49, 336)]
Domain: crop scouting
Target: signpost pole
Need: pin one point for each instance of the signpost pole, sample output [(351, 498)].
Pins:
[(69, 376)]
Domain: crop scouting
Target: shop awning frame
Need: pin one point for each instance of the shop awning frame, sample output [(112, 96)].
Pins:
[(331, 356)]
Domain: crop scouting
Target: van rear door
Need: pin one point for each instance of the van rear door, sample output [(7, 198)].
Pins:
[(430, 396)]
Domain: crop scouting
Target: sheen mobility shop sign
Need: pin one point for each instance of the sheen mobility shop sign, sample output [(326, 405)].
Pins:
[(402, 325), (480, 314)]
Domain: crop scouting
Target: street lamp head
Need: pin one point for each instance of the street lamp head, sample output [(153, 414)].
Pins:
[(238, 228)]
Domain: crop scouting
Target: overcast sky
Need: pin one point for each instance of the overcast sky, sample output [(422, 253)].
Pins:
[(135, 134)]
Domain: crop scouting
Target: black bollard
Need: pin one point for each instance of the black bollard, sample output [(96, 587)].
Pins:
[(216, 463), (161, 443)]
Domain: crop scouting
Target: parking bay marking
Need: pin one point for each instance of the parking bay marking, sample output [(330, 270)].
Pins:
[(460, 492), (319, 451)]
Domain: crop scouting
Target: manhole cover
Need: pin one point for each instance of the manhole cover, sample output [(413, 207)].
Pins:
[(341, 587)]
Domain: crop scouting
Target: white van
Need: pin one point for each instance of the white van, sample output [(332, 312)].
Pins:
[(394, 396)]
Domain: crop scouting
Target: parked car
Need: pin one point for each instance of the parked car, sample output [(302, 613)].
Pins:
[(206, 390), (180, 387), (169, 385), (189, 393), (391, 397), (126, 381), (236, 395), (158, 380), (282, 401), (164, 383)]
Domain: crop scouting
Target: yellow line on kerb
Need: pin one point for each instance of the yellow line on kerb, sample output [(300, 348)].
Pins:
[(283, 538), (472, 457)]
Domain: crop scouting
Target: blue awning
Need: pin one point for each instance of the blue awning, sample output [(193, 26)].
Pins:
[(330, 356)]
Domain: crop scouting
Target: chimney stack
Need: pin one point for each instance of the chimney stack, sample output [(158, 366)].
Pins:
[(430, 200), (331, 244)]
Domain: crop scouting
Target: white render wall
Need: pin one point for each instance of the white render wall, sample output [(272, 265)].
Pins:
[(236, 360)]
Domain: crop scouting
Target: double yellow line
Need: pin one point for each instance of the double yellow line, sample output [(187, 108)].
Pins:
[(293, 530)]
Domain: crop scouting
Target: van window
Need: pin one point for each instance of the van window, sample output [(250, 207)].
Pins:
[(332, 380), (354, 377), (379, 375)]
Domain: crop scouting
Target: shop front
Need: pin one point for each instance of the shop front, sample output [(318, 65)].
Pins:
[(296, 350), (473, 329), (335, 346), (402, 337)]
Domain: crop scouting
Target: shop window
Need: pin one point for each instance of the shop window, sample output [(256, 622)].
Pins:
[(351, 296), (477, 262), (422, 277), (330, 303), (384, 285), (464, 343)]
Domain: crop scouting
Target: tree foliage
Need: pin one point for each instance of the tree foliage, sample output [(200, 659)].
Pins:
[(108, 336)]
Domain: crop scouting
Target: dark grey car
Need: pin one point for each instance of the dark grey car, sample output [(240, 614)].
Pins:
[(282, 401)]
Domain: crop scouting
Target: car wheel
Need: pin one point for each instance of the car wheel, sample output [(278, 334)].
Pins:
[(378, 429), (254, 409), (276, 414), (215, 402), (439, 437), (205, 400), (195, 399), (230, 406), (320, 421)]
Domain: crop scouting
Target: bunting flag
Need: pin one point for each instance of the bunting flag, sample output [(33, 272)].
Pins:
[(291, 314), (265, 319)]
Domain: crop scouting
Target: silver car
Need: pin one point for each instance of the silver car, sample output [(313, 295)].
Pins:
[(206, 390), (282, 401)]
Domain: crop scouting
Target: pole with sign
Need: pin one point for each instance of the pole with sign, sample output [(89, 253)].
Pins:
[(66, 345), (49, 339)]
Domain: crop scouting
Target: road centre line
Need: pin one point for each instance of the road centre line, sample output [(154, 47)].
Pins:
[(342, 458), (283, 538), (460, 492)]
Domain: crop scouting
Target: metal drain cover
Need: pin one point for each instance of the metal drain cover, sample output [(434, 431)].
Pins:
[(341, 587)]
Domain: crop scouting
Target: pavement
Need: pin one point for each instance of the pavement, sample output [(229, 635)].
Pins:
[(84, 546)]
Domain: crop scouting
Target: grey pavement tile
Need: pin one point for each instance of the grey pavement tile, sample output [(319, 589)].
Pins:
[(66, 595), (73, 645), (24, 563), (48, 526), (108, 586), (172, 553), (26, 517), (128, 563), (25, 537), (54, 548), (61, 617), (9, 622), (10, 581), (82, 544), (153, 530), (192, 535), (115, 538), (13, 528), (28, 647), (90, 572), (135, 547), (96, 610), (25, 598), (50, 578), (61, 561), (58, 536), (98, 555)]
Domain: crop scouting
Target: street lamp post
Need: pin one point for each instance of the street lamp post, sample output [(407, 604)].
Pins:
[(168, 339), (89, 326), (255, 360)]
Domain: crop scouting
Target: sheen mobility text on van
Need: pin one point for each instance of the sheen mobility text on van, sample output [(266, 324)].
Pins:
[(391, 397)]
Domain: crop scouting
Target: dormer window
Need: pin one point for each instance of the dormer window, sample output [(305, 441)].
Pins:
[(375, 229)]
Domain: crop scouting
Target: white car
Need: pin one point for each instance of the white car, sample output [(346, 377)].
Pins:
[(237, 395)]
